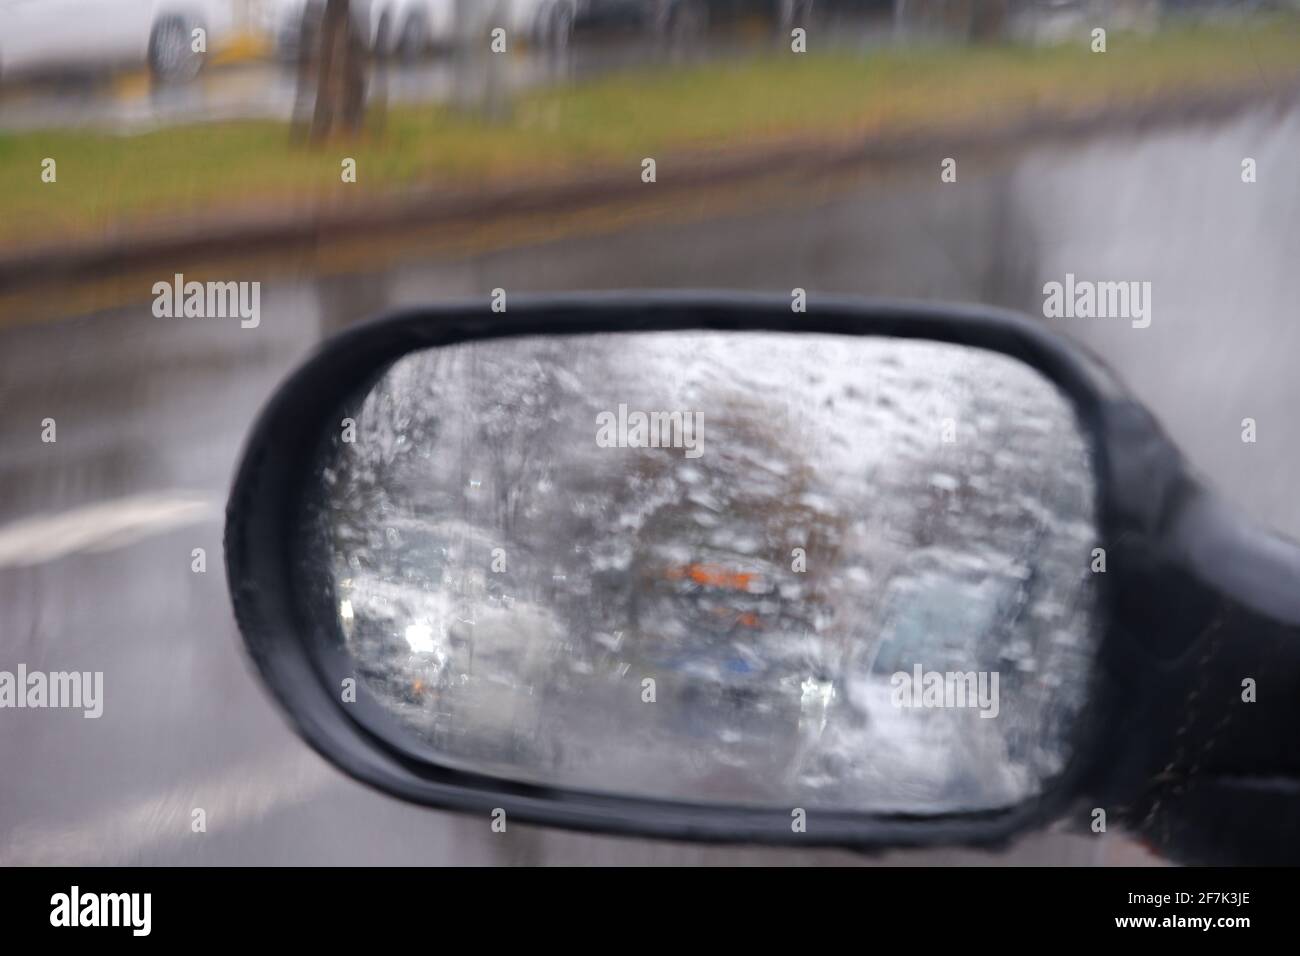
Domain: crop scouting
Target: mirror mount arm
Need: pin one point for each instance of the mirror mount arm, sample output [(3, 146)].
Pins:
[(1233, 797)]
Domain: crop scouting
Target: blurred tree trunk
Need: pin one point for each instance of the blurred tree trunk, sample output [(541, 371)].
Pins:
[(331, 69), (990, 20)]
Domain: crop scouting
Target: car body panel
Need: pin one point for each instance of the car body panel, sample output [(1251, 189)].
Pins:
[(45, 35)]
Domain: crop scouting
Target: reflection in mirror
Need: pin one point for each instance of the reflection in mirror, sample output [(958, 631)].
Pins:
[(748, 568)]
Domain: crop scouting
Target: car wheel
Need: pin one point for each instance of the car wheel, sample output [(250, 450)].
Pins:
[(171, 55)]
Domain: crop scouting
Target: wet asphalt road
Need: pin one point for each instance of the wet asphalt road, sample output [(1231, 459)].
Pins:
[(97, 529)]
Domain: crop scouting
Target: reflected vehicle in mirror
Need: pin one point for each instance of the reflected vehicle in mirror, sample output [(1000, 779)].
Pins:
[(688, 565)]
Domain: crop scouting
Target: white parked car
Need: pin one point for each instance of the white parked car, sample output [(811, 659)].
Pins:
[(38, 35)]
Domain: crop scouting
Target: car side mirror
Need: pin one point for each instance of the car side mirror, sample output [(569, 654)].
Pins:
[(695, 566)]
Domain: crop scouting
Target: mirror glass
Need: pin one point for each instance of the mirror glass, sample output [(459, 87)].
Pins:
[(769, 569)]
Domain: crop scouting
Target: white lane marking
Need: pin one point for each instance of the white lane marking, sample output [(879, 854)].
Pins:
[(99, 527), (239, 797)]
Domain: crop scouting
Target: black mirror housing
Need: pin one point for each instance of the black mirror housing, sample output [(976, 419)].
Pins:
[(1193, 604)]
